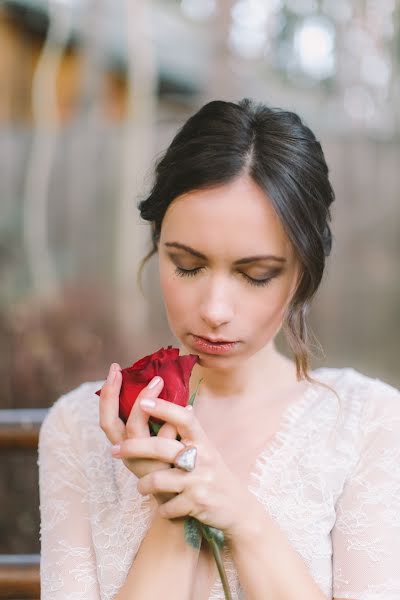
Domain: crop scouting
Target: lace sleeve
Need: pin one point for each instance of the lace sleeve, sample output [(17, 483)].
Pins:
[(366, 534), (67, 564)]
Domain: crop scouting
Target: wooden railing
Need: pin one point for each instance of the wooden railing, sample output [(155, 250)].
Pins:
[(20, 573), (19, 428), (19, 576)]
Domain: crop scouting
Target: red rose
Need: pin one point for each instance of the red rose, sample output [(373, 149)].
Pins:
[(166, 362)]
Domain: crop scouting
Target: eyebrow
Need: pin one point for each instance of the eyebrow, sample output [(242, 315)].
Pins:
[(241, 261)]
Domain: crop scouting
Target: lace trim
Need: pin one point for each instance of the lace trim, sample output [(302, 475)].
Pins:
[(276, 444), (289, 418)]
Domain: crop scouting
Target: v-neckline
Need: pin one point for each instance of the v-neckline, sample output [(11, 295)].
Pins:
[(276, 443), (289, 417)]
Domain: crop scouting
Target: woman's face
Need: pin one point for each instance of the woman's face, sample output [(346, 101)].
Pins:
[(212, 283)]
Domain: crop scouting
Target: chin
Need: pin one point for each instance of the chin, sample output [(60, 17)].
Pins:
[(219, 362)]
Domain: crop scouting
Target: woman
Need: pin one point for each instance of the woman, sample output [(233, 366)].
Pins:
[(299, 470)]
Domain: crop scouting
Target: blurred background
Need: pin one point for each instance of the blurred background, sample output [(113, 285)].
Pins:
[(91, 93)]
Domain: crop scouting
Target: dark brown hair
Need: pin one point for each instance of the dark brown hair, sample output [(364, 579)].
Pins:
[(225, 140)]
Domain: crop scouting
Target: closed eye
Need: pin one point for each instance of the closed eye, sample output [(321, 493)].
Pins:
[(192, 272)]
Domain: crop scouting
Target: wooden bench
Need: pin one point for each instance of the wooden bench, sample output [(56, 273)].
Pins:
[(20, 573)]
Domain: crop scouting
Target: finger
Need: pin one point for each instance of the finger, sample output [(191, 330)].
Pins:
[(151, 447), (172, 481), (179, 506), (137, 422), (109, 419), (184, 420), (168, 431)]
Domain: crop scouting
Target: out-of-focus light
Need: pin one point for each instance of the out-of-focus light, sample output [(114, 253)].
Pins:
[(247, 43), (359, 104), (388, 29), (375, 70), (254, 14), (199, 10), (384, 7), (250, 22), (380, 17), (339, 10), (302, 7), (71, 3), (314, 45)]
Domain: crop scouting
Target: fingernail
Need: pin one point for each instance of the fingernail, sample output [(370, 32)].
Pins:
[(146, 402), (115, 449), (154, 382), (189, 407)]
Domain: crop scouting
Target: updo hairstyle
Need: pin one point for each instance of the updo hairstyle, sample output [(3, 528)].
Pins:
[(225, 140)]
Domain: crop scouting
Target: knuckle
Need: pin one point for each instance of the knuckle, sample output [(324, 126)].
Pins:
[(209, 477), (174, 448), (128, 448), (208, 460), (132, 429), (158, 445), (155, 481), (189, 417), (200, 495), (105, 424)]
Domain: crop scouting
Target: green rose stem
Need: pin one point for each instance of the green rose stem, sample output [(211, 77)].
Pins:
[(212, 535), (195, 530)]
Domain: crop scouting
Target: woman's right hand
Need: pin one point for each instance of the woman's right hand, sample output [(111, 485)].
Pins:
[(136, 426)]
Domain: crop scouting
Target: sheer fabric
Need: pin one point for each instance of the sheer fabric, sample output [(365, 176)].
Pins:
[(337, 498)]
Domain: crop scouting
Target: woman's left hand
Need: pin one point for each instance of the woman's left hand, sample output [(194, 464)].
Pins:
[(210, 493)]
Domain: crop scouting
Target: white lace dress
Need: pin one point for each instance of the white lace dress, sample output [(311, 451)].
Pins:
[(338, 500)]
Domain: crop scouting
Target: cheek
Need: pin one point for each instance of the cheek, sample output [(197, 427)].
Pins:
[(268, 310), (176, 295)]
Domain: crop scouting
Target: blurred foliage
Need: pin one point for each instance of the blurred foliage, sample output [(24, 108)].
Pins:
[(48, 350)]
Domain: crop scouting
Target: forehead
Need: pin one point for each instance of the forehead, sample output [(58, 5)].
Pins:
[(236, 218)]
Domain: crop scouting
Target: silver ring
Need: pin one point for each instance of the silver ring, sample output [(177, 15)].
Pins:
[(186, 458)]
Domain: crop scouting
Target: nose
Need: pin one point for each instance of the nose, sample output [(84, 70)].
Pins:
[(217, 304)]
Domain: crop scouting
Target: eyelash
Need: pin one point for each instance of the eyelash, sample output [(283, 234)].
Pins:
[(250, 280)]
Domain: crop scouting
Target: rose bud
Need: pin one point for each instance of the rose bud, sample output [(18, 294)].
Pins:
[(175, 371)]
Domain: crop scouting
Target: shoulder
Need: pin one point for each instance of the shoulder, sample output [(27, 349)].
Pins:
[(74, 408), (354, 380), (377, 402)]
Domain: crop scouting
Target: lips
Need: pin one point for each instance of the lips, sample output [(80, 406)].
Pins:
[(216, 340), (206, 346)]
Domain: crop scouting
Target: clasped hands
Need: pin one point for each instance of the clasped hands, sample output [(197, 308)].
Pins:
[(211, 493)]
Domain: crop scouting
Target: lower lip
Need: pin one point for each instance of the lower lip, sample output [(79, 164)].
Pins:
[(213, 348)]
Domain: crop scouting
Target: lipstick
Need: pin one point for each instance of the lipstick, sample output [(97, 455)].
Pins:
[(208, 347)]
